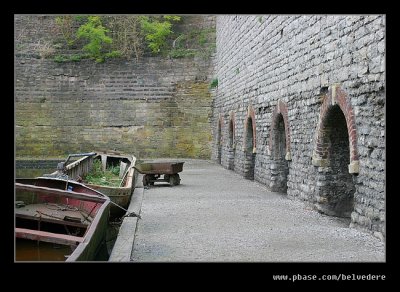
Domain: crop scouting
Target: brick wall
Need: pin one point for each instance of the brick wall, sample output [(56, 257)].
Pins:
[(328, 74)]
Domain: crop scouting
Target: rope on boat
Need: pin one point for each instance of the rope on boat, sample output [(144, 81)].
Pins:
[(61, 207), (128, 214), (42, 213), (86, 217)]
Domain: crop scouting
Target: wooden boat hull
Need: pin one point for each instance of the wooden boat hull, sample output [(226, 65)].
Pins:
[(44, 192), (87, 250), (119, 195)]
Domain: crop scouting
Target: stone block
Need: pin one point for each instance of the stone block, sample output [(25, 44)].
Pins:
[(354, 167), (316, 161)]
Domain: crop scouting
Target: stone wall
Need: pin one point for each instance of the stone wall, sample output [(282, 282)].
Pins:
[(153, 107), (324, 77)]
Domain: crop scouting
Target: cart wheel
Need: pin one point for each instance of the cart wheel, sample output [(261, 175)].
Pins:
[(167, 177), (174, 179), (146, 180)]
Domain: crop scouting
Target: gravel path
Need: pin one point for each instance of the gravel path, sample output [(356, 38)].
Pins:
[(216, 215)]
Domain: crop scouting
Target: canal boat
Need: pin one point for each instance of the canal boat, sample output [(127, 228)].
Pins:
[(61, 212), (120, 190)]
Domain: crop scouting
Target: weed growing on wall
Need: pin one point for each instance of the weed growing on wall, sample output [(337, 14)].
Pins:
[(214, 83), (102, 37), (156, 30), (94, 32), (196, 42)]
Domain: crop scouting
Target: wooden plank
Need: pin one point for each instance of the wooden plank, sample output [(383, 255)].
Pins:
[(103, 161), (122, 168), (50, 220), (70, 194), (47, 236), (75, 163)]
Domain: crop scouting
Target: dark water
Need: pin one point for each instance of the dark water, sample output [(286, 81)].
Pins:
[(32, 172), (29, 250)]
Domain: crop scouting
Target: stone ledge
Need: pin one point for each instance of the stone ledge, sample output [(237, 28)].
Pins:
[(123, 246), (354, 166), (316, 161)]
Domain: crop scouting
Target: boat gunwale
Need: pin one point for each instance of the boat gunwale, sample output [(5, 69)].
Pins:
[(89, 232), (69, 194)]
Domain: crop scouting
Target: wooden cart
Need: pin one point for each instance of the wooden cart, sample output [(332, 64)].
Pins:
[(153, 170)]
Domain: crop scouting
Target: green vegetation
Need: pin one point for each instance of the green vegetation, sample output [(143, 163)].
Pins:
[(68, 58), (214, 83), (65, 25), (109, 177), (182, 53), (156, 30), (126, 36), (193, 43), (112, 36), (95, 33)]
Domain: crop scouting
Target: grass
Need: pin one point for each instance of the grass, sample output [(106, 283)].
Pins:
[(109, 177)]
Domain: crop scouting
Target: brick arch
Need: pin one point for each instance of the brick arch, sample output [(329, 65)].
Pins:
[(336, 96), (280, 109), (250, 114)]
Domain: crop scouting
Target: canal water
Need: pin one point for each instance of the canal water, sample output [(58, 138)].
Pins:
[(30, 250)]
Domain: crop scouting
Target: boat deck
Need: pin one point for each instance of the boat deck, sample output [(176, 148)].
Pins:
[(55, 213)]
